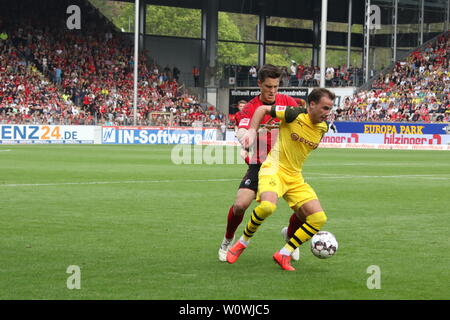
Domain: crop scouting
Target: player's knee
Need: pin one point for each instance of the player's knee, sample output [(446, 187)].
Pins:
[(317, 220), (240, 206), (266, 208), (300, 217)]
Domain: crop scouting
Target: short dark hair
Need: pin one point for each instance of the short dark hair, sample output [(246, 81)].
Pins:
[(242, 102), (269, 71), (317, 94)]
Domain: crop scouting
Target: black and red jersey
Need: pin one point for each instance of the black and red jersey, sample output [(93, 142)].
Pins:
[(266, 139)]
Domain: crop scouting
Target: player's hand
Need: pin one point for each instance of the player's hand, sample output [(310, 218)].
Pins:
[(249, 138), (270, 126), (244, 154), (240, 133)]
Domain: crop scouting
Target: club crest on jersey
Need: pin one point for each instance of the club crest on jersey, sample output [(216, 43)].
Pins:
[(280, 108)]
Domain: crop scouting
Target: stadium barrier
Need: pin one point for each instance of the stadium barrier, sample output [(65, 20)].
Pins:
[(389, 127), (371, 141), (391, 139), (386, 141), (376, 135), (157, 135), (384, 146), (425, 137), (49, 134)]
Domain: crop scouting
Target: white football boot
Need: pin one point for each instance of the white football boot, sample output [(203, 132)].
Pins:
[(296, 254), (224, 247)]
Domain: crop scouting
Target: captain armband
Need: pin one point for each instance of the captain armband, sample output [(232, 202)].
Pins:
[(286, 113)]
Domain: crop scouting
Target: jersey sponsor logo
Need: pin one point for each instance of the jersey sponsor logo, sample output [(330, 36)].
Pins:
[(280, 108), (296, 137), (244, 122)]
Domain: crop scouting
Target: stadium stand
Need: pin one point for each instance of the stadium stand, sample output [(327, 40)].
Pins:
[(306, 76), (53, 75), (340, 76), (416, 89), (25, 95)]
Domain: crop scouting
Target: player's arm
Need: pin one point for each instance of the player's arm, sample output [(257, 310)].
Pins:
[(241, 129), (258, 116), (240, 133), (285, 114)]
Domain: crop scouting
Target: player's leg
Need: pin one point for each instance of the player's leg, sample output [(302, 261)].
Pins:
[(315, 219), (244, 198), (302, 198), (267, 206), (296, 220)]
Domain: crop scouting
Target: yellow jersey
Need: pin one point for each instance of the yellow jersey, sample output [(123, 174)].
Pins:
[(297, 137)]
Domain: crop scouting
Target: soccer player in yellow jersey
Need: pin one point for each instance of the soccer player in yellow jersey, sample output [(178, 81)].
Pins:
[(281, 173)]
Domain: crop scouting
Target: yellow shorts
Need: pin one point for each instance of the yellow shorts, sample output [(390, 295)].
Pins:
[(292, 188)]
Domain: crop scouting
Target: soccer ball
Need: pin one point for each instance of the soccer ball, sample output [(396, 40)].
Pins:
[(324, 245)]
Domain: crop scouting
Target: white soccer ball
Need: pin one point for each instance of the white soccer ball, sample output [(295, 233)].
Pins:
[(324, 245)]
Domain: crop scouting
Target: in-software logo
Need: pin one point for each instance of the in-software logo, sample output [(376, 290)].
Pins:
[(109, 135)]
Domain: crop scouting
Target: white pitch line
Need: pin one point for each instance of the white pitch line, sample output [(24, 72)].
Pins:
[(5, 150), (374, 177), (109, 182), (380, 176), (372, 164), (307, 176), (337, 176)]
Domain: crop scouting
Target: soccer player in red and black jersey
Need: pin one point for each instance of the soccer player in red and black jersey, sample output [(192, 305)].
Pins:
[(238, 116), (268, 82)]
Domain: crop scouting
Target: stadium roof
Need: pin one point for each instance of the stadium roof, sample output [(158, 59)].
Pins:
[(304, 9)]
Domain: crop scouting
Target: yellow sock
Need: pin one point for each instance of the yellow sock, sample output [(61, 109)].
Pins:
[(260, 213), (307, 230)]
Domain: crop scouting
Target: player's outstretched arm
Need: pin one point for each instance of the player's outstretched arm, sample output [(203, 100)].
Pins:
[(241, 132), (258, 116)]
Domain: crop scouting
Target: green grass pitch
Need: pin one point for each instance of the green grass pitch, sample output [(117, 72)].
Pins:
[(141, 227)]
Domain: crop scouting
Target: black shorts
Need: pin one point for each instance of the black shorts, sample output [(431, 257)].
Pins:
[(250, 180)]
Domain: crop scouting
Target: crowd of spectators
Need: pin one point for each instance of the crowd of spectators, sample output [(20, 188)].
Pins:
[(309, 76), (298, 75), (417, 89), (26, 96), (186, 110), (52, 75)]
